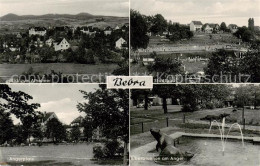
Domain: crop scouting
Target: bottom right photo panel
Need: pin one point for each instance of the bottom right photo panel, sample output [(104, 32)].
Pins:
[(195, 124)]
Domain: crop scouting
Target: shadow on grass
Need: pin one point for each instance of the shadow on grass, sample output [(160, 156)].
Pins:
[(41, 163)]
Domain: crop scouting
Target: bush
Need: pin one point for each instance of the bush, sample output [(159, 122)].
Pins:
[(210, 105), (98, 152), (111, 149), (189, 108)]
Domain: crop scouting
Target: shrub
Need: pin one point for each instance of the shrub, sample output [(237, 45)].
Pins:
[(210, 105), (111, 149), (98, 152), (189, 108)]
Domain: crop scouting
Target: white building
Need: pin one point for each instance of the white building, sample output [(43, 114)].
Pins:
[(108, 31), (120, 42), (49, 42), (117, 27), (41, 31), (61, 45), (196, 26)]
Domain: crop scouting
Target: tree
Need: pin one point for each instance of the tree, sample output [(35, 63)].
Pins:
[(165, 67), (55, 130), (88, 128), (139, 38), (165, 92), (6, 127), (224, 63), (223, 27), (159, 24), (17, 103), (109, 111), (75, 134), (245, 34)]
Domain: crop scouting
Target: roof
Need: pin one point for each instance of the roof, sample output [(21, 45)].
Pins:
[(121, 39), (47, 115), (211, 25), (38, 28), (78, 120), (197, 22), (108, 28), (232, 25), (59, 40)]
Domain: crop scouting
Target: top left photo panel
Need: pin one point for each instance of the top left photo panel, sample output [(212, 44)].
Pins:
[(63, 41)]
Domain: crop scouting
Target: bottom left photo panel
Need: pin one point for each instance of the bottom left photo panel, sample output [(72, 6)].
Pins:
[(63, 124)]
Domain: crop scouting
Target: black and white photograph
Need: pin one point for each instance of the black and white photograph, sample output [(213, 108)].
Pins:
[(63, 125), (63, 41), (195, 125), (196, 41)]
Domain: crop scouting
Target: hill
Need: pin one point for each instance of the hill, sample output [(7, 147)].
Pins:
[(14, 17)]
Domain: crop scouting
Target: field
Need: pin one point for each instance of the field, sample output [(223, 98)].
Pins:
[(198, 39), (56, 155), (8, 70), (23, 25)]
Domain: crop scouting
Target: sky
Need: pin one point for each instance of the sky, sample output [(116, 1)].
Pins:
[(39, 7), (61, 99), (208, 11)]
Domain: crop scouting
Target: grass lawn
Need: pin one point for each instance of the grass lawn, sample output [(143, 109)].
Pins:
[(190, 67), (41, 163), (65, 68), (198, 39)]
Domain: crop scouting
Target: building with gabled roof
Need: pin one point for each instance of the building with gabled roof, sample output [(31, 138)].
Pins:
[(41, 31), (196, 26), (61, 44), (121, 43)]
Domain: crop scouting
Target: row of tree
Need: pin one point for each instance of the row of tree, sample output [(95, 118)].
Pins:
[(199, 96), (192, 97), (157, 24)]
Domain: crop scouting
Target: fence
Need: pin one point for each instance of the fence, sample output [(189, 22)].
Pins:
[(145, 126)]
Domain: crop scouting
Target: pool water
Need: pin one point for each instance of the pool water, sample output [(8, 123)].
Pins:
[(208, 152)]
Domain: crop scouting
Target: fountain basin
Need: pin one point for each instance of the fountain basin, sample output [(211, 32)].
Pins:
[(207, 150)]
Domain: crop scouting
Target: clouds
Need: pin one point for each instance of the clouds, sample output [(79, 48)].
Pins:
[(184, 11), (38, 7), (65, 109), (59, 98)]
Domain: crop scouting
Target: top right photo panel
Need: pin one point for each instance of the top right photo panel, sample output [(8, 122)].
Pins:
[(196, 41)]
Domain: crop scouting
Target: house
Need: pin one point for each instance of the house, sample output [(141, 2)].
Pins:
[(125, 28), (95, 135), (18, 36), (257, 28), (47, 116), (121, 43), (49, 42), (61, 45), (88, 30), (108, 31), (41, 31), (196, 26), (77, 122), (117, 27), (233, 28)]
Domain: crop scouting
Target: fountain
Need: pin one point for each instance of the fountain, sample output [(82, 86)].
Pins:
[(222, 133)]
